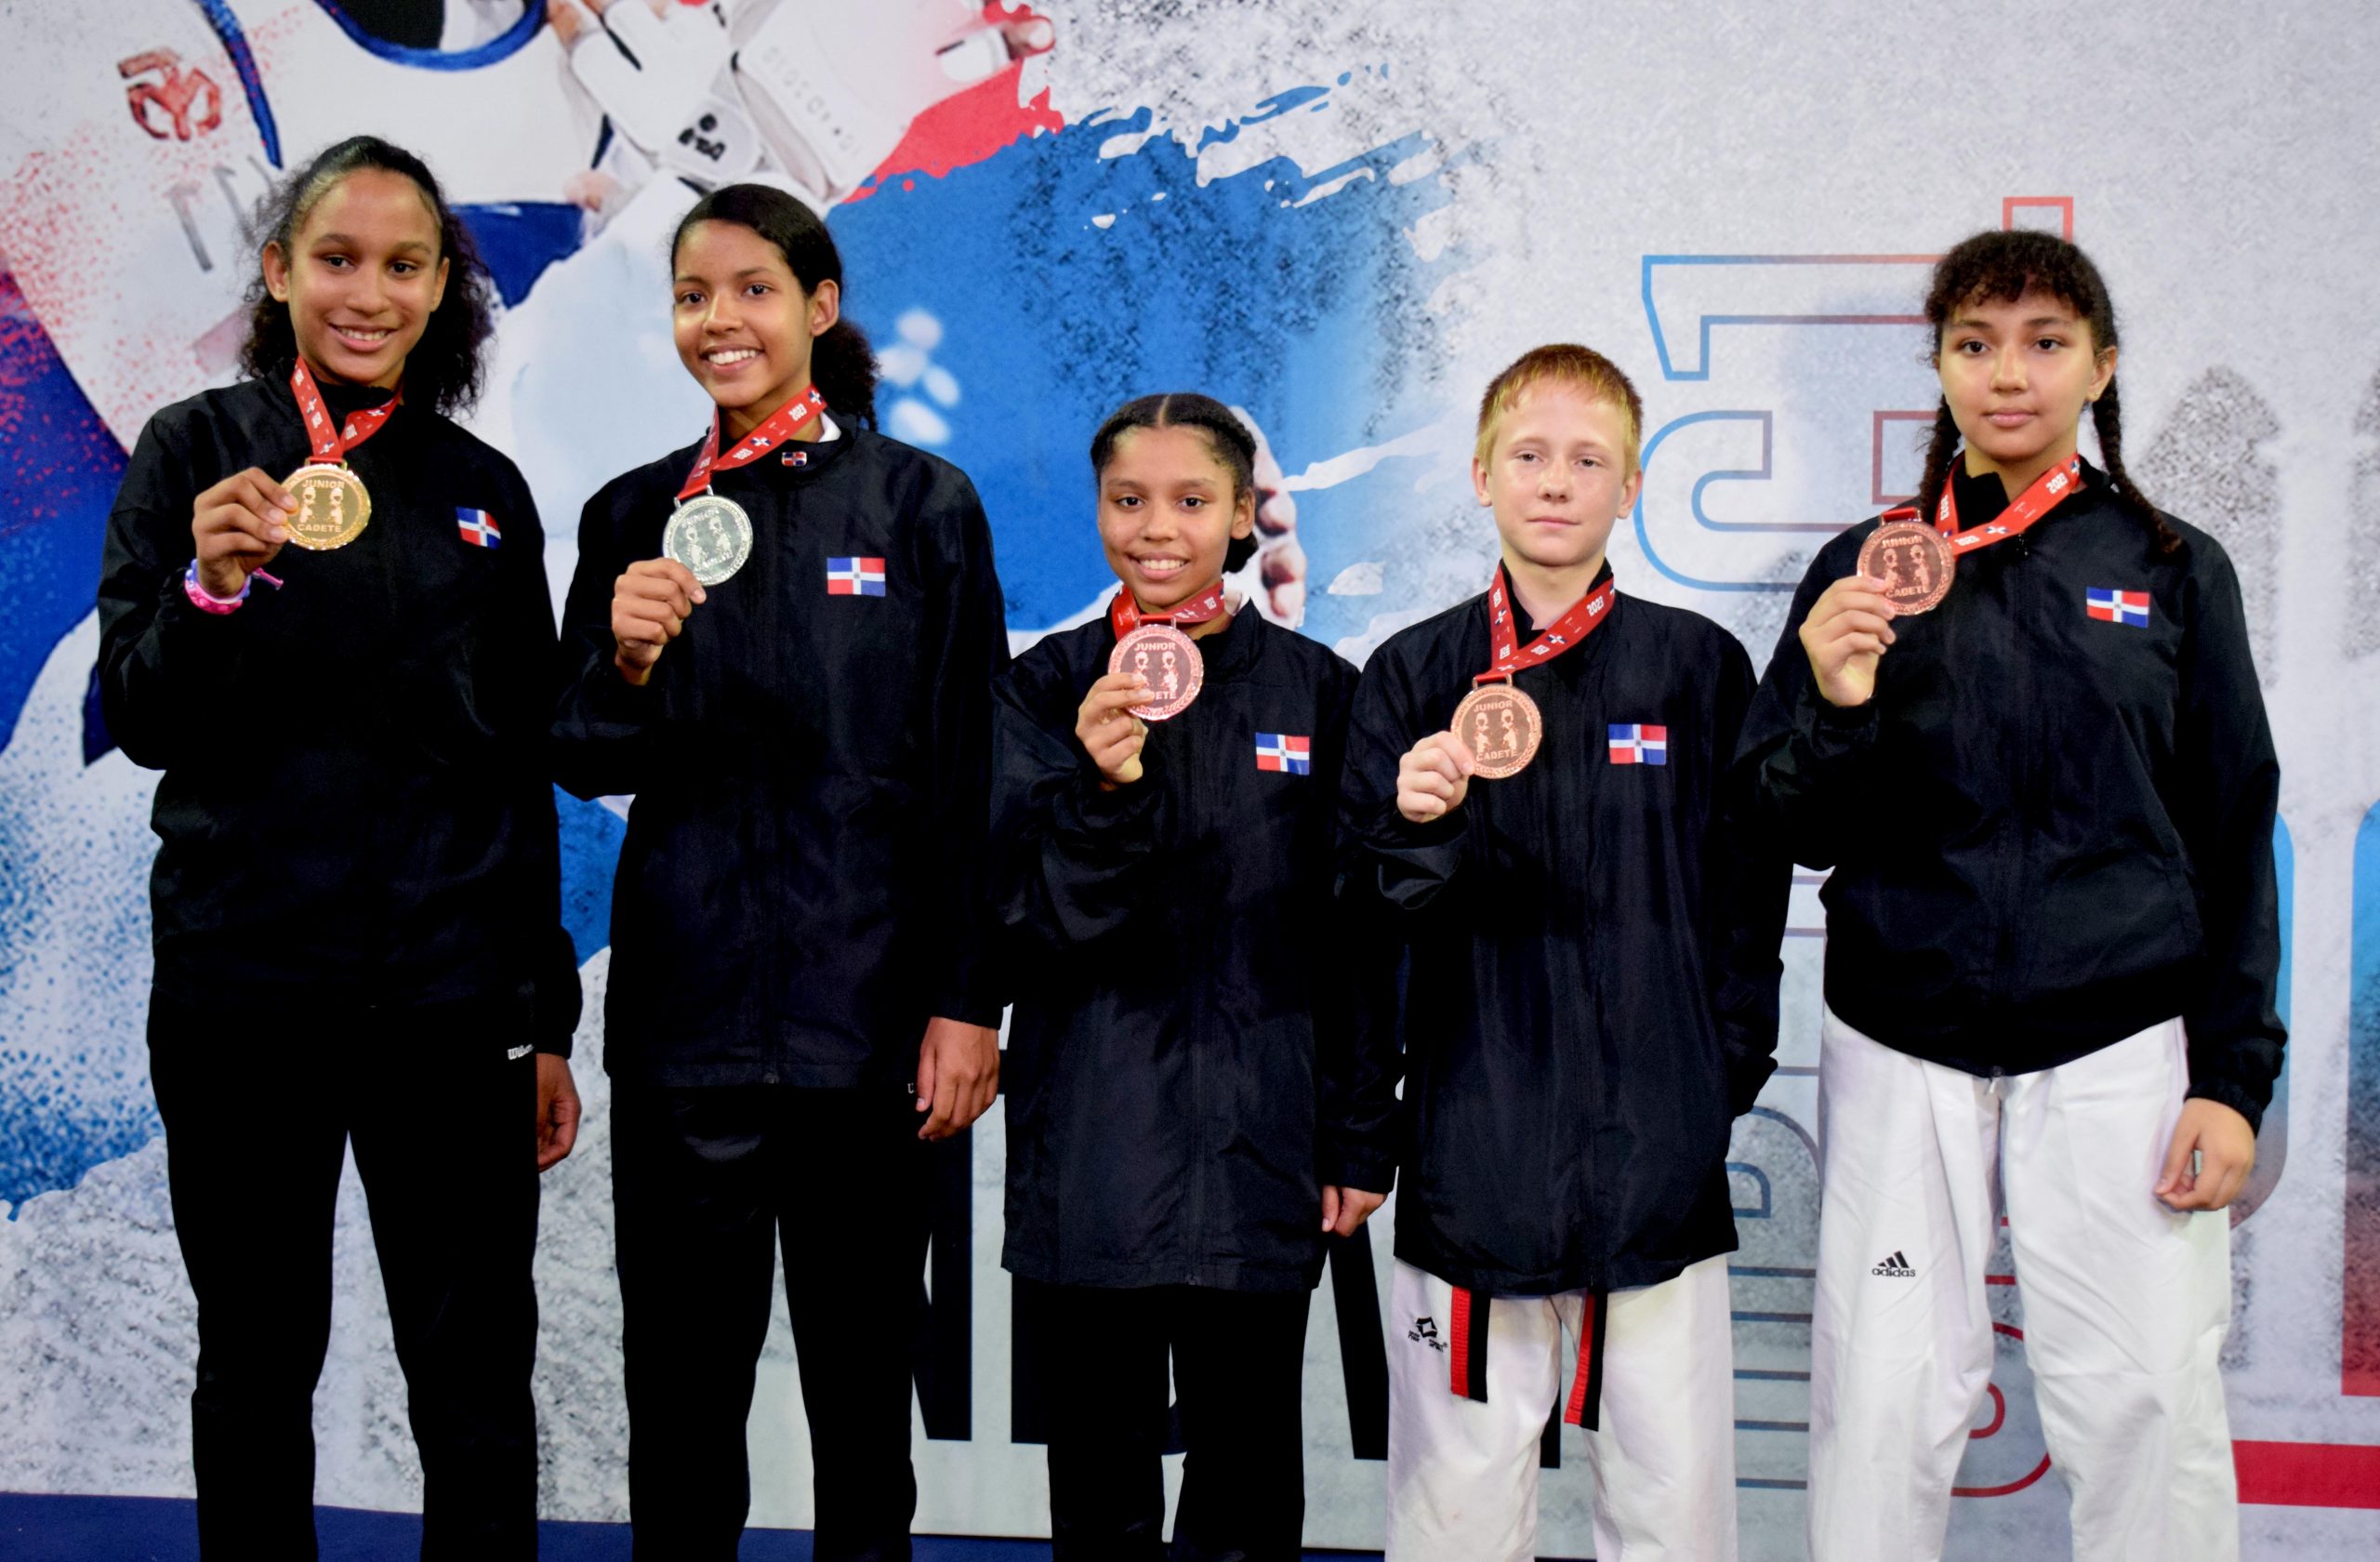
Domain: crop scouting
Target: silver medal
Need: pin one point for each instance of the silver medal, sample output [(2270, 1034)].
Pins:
[(710, 536)]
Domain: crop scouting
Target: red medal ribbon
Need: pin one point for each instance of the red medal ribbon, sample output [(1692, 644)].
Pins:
[(1124, 614), (330, 441), (2048, 491), (779, 428), (1585, 616)]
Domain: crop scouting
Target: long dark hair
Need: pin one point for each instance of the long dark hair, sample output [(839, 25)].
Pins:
[(1232, 445), (442, 370), (2002, 267), (841, 363)]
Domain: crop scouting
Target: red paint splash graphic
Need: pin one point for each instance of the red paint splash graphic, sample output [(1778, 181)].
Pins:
[(970, 126)]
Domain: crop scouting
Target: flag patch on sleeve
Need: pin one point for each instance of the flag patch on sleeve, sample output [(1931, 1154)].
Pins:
[(478, 527), (854, 577), (1635, 743)]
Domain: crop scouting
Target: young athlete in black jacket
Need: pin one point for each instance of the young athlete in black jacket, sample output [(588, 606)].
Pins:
[(798, 990), (1590, 998), (2051, 940), (1187, 1115), (357, 908)]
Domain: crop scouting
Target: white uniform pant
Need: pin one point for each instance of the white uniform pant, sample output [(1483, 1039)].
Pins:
[(1462, 1474), (2125, 1302)]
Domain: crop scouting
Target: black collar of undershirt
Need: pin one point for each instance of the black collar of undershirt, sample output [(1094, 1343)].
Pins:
[(1526, 627)]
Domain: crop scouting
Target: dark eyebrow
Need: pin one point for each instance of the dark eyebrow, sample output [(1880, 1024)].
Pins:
[(345, 242)]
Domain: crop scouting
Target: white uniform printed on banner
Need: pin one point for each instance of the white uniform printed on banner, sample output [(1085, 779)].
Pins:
[(159, 126), (1462, 1474), (2126, 1302)]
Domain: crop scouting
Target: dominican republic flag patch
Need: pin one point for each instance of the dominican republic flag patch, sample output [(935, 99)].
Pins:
[(1285, 751), (1637, 744), (478, 527), (2112, 606), (854, 577)]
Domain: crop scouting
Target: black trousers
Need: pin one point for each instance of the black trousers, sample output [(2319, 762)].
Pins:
[(1237, 1364), (260, 1098), (704, 1180)]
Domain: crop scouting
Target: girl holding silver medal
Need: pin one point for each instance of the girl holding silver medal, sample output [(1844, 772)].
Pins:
[(344, 672), (781, 641), (2052, 952)]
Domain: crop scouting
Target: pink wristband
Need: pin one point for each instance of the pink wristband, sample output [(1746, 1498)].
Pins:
[(207, 601)]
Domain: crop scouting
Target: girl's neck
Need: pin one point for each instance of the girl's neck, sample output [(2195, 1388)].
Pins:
[(1546, 593), (739, 421), (2015, 477), (324, 376)]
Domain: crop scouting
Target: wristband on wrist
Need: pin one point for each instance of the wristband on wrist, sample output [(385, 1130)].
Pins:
[(207, 601)]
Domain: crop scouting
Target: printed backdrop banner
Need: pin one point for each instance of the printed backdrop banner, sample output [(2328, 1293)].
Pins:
[(1342, 218)]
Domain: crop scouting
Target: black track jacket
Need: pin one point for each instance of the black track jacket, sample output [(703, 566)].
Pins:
[(356, 794), (2048, 830), (800, 890), (1592, 972), (1183, 1074)]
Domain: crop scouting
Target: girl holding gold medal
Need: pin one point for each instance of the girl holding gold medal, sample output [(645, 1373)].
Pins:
[(2022, 725), (782, 639), (323, 616)]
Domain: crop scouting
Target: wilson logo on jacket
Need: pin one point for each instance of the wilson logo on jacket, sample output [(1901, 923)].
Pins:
[(1285, 751), (2112, 606), (1635, 743), (478, 527), (854, 577)]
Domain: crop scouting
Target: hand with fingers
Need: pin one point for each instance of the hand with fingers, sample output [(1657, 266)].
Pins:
[(650, 605), (1345, 1209), (239, 525), (1846, 632), (2208, 1162), (1108, 731), (1433, 777), (959, 1074)]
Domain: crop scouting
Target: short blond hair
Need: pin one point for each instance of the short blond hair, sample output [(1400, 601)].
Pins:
[(1590, 371)]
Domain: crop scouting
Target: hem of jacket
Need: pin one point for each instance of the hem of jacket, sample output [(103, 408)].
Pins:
[(736, 1071), (1626, 1272), (1970, 1049), (1138, 1276)]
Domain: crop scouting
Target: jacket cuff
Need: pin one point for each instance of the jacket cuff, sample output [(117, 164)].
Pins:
[(2231, 1093), (1372, 1170)]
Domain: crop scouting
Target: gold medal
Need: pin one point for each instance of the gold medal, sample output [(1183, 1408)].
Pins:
[(1502, 727), (333, 505)]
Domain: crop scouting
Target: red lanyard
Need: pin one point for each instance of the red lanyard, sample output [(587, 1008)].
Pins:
[(779, 428), (1583, 618), (2047, 492), (330, 441), (1124, 614)]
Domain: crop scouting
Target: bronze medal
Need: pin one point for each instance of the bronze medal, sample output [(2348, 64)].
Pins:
[(1913, 560), (1169, 660), (333, 505), (1502, 727)]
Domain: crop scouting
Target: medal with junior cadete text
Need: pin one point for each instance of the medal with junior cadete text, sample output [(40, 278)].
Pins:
[(1496, 720), (1149, 643), (333, 505), (707, 532)]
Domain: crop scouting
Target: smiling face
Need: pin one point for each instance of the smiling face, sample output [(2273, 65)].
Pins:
[(1558, 478), (1168, 514), (743, 324), (2017, 373), (362, 276)]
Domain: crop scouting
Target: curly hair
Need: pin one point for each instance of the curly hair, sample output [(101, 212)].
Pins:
[(2002, 267), (442, 371)]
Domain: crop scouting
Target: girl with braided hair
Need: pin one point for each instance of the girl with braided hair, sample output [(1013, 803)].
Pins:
[(2052, 958)]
